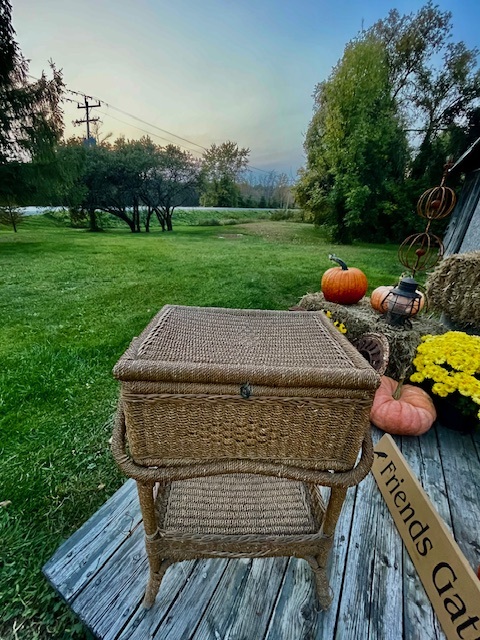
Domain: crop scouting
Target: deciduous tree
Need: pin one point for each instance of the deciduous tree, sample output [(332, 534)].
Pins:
[(268, 189), (401, 80), (222, 165), (172, 180), (435, 81), (11, 215), (356, 146), (119, 178)]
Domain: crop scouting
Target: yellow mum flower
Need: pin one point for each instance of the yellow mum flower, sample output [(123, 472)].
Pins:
[(440, 390), (451, 361), (417, 377), (340, 326)]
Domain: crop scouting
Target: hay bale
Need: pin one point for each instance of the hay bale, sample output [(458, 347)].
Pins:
[(361, 318), (453, 287)]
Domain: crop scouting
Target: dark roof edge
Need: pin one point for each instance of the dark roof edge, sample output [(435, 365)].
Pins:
[(464, 156)]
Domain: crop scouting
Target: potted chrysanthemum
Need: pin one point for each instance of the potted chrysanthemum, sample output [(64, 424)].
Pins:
[(448, 365)]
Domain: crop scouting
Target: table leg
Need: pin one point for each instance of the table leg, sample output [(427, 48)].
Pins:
[(157, 564)]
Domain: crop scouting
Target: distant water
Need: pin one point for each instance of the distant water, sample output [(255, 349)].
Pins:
[(37, 211)]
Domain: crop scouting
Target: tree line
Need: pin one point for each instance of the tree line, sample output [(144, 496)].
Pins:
[(138, 181), (129, 175), (401, 102)]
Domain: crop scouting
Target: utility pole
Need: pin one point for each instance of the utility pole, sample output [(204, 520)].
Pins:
[(87, 106)]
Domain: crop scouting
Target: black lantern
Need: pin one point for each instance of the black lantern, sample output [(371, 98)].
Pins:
[(403, 302)]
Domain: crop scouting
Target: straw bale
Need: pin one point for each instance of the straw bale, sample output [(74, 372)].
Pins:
[(361, 318), (453, 287)]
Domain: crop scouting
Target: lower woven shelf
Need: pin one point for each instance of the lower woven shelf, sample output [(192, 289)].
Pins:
[(263, 515)]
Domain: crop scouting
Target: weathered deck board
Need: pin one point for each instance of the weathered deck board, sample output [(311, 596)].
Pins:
[(179, 619), (230, 589), (372, 571), (122, 577), (256, 602), (326, 622), (137, 622), (295, 614), (78, 559), (420, 622), (463, 490), (101, 570)]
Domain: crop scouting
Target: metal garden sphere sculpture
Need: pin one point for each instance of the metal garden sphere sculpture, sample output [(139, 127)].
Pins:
[(422, 251), (436, 203), (419, 252)]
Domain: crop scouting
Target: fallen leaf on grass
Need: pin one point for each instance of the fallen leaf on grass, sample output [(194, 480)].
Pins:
[(101, 486), (5, 503)]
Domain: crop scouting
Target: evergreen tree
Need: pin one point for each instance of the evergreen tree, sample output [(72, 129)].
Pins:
[(30, 118)]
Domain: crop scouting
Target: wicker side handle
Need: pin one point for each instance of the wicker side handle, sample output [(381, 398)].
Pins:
[(201, 469)]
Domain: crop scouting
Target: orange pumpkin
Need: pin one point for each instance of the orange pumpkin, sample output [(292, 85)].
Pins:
[(377, 299), (342, 284), (379, 303), (412, 414)]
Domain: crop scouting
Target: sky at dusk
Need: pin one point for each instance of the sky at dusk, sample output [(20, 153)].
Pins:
[(209, 70)]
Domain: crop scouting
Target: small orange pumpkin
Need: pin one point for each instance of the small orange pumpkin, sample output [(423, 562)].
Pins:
[(402, 409), (377, 299), (342, 284), (379, 302)]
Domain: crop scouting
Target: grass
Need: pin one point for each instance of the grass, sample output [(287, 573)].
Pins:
[(70, 303)]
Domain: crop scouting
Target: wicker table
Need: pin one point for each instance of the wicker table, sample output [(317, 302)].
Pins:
[(229, 420)]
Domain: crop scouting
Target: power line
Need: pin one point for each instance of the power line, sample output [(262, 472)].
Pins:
[(131, 115), (150, 133), (149, 124), (154, 126), (155, 135)]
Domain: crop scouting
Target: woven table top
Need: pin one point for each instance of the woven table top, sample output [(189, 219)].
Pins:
[(198, 344)]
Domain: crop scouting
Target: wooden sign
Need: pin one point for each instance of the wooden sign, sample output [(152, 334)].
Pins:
[(449, 581)]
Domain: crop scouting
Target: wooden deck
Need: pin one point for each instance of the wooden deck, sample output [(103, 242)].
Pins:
[(101, 570)]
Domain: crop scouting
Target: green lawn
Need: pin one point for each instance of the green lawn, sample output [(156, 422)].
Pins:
[(70, 302)]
